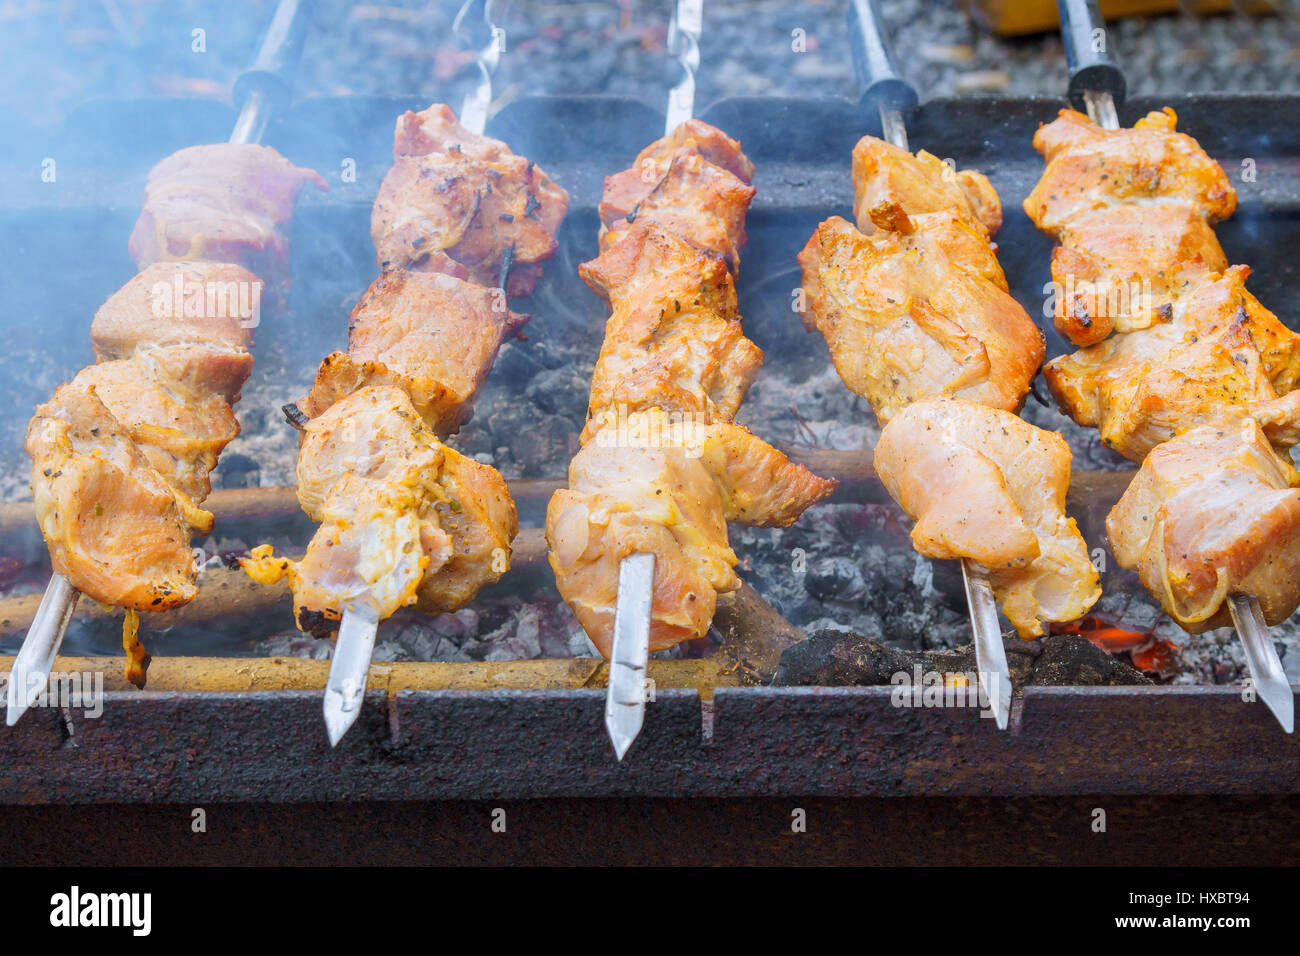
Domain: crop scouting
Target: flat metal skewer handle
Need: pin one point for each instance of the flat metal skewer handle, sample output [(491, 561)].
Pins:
[(489, 44), (684, 42)]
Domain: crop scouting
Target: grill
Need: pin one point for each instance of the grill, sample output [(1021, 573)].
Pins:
[(533, 728)]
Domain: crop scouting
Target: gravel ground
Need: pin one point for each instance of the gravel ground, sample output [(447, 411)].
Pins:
[(846, 567), (60, 54)]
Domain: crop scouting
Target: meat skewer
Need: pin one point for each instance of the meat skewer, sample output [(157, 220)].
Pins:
[(1187, 398), (638, 540), (459, 223), (129, 342), (919, 321)]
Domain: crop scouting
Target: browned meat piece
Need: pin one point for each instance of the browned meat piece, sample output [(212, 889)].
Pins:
[(1089, 168), (674, 340), (228, 202), (432, 335), (476, 510), (1217, 348), (921, 183), (662, 468), (437, 130), (694, 183), (984, 485), (665, 487), (159, 399), (212, 308), (467, 206), (698, 138), (112, 524), (404, 519), (919, 308), (1214, 512), (1119, 268)]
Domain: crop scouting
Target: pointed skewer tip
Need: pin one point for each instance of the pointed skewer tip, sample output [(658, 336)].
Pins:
[(346, 688), (625, 696)]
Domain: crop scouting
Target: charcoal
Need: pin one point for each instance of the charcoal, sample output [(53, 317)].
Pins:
[(835, 579), (237, 471), (517, 363), (559, 391), (839, 658), (1072, 659), (844, 658), (551, 438)]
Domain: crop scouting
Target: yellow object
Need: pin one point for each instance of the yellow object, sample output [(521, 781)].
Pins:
[(1015, 17)]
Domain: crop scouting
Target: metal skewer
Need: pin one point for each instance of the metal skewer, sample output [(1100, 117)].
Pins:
[(1097, 80), (354, 647), (30, 673), (1261, 657), (625, 696), (267, 80), (881, 83), (349, 671)]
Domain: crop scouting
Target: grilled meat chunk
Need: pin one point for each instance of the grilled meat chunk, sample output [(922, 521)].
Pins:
[(229, 202), (984, 485), (112, 524), (674, 339), (694, 182), (1089, 167), (920, 183), (918, 308), (432, 335), (1120, 268), (1214, 512), (666, 486), (160, 399), (1217, 347), (179, 303), (404, 519), (465, 205), (663, 467)]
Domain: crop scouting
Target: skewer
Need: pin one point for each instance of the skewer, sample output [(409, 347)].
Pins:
[(278, 54), (882, 82), (625, 696), (349, 670), (31, 668), (355, 645), (474, 108), (1097, 79)]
